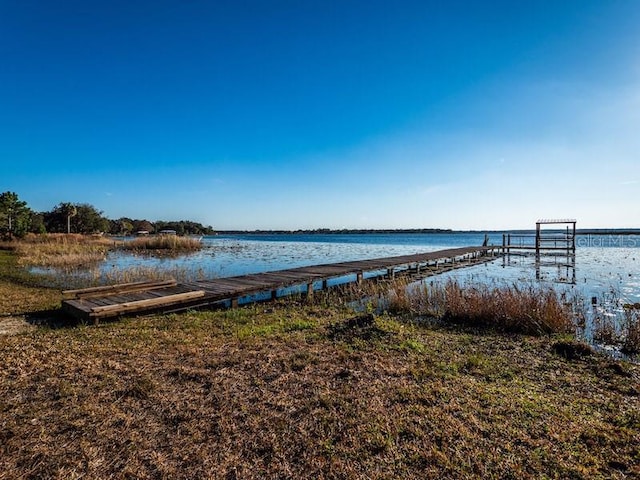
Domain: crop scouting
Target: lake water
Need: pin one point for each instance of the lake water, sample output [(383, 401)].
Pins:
[(225, 256), (606, 266)]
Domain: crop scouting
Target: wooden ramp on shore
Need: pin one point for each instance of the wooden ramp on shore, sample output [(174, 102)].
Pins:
[(92, 304)]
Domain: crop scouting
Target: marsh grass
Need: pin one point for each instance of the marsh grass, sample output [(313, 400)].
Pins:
[(73, 261), (61, 250), (530, 310), (615, 327), (605, 329), (147, 273), (170, 243), (70, 278)]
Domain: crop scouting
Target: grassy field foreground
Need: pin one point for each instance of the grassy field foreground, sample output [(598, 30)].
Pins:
[(297, 390), (303, 390)]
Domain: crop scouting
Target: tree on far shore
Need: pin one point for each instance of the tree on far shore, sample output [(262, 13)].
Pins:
[(76, 218), (15, 216), (70, 210), (184, 227), (37, 223)]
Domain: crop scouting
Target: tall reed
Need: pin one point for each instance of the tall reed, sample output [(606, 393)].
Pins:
[(530, 310), (62, 250), (631, 341), (171, 243)]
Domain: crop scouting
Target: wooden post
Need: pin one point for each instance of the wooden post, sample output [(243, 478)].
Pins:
[(310, 289), (234, 302), (274, 294), (324, 284), (359, 277), (390, 273), (538, 239)]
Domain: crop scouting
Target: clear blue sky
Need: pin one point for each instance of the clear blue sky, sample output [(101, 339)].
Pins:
[(305, 114)]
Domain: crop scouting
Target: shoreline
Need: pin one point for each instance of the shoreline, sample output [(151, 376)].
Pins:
[(411, 231), (298, 389)]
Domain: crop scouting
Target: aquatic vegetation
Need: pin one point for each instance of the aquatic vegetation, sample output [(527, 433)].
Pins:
[(69, 251), (532, 310), (170, 243), (74, 260), (61, 250)]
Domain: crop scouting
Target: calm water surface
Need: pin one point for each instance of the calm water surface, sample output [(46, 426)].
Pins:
[(225, 256), (605, 266)]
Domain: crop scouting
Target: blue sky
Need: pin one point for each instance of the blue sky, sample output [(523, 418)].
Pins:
[(311, 114)]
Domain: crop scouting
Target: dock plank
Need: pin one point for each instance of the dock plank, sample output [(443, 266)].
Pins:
[(137, 305)]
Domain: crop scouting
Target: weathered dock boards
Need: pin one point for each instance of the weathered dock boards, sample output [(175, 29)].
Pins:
[(143, 297)]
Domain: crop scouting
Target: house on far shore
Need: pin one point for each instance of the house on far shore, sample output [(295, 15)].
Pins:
[(167, 232), (142, 233)]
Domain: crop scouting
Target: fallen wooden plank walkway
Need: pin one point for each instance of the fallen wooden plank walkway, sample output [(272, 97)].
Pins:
[(143, 297)]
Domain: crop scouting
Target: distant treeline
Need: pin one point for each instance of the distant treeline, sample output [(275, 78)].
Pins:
[(17, 219), (608, 231), (328, 231)]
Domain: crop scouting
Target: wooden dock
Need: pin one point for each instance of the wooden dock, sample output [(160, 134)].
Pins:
[(93, 304)]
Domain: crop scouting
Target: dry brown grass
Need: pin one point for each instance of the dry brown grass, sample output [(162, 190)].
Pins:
[(61, 250), (619, 332), (172, 243), (299, 391), (144, 273), (19, 291), (20, 299), (604, 330), (73, 259), (531, 310)]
